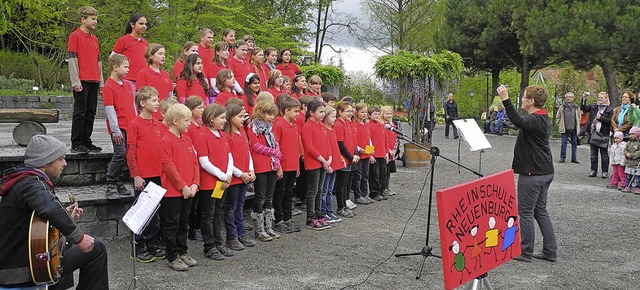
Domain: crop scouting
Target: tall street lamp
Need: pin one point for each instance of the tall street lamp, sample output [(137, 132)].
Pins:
[(487, 73), (471, 103)]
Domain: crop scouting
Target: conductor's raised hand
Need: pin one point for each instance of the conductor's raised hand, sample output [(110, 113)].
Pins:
[(503, 92)]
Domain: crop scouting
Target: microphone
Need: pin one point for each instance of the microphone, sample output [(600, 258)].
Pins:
[(394, 130)]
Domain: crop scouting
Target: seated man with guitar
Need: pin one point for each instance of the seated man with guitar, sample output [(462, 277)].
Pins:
[(31, 254)]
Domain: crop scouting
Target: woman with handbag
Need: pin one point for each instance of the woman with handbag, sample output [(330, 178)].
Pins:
[(598, 129)]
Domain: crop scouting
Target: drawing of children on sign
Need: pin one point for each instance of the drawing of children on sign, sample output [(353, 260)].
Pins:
[(509, 236), (459, 260), (491, 240), (475, 247)]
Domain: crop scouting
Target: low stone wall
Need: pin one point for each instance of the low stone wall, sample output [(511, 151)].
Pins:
[(64, 104)]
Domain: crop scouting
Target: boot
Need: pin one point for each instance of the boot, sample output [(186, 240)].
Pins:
[(268, 223), (258, 225)]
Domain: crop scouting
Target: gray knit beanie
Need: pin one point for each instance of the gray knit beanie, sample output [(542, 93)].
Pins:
[(42, 150)]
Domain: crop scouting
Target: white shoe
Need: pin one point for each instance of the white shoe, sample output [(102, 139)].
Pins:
[(350, 204)]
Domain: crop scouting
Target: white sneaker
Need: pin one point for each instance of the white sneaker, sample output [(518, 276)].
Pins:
[(350, 204)]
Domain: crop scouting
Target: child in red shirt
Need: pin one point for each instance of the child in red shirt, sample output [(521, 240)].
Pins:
[(337, 163), (224, 83), (196, 106), (299, 88), (205, 51), (152, 75), (271, 57), (251, 92), (144, 135), (347, 145), (181, 177), (286, 84), (266, 155), (315, 86), (361, 178), (286, 65), (85, 71), (188, 48), (274, 84), (133, 46), (287, 135), (378, 161), (118, 107), (237, 63), (317, 162), (392, 145), (192, 81), (243, 174), (229, 37), (256, 59)]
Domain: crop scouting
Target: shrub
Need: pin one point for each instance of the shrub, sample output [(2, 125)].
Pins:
[(33, 67), (16, 85)]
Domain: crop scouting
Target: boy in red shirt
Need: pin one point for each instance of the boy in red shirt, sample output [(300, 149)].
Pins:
[(142, 157), (287, 135), (181, 177), (118, 107), (378, 160), (206, 52), (85, 70)]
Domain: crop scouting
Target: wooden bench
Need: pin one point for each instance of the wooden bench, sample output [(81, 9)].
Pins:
[(30, 122)]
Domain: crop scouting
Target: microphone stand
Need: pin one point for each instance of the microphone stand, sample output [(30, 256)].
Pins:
[(427, 250)]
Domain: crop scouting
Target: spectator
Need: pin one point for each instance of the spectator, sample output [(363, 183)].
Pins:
[(450, 114), (490, 116), (568, 121), (498, 123), (598, 130), (620, 119)]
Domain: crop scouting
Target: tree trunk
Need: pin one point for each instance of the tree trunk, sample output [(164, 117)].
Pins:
[(612, 87), (495, 82), (524, 76)]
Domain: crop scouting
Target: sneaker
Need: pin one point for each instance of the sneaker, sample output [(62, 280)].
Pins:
[(593, 174), (292, 226), (335, 218), (542, 256), (328, 219), (214, 254), (93, 148), (352, 212), (561, 161), (197, 236), (384, 197), (388, 192), (324, 223), (295, 210), (79, 149), (636, 191), (612, 186), (178, 265), (523, 258), (112, 191), (143, 256), (235, 245), (370, 200), (246, 241), (157, 252), (314, 224), (188, 260), (226, 251), (362, 200), (626, 189), (605, 175), (575, 161), (122, 190), (281, 227), (350, 204), (378, 198), (345, 213)]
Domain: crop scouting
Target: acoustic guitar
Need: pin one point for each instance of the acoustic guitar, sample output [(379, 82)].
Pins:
[(46, 245)]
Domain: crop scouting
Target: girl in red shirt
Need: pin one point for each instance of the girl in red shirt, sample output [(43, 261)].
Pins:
[(252, 90), (275, 82), (243, 174), (378, 160), (271, 57), (299, 88), (196, 105), (392, 138), (256, 59), (347, 146), (315, 86), (317, 162), (337, 163), (216, 166), (188, 48), (224, 84), (229, 37), (361, 178), (266, 156), (192, 82), (133, 46), (154, 76), (286, 66), (286, 84)]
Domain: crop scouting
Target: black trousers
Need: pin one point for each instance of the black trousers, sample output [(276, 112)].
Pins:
[(174, 225), (264, 186), (152, 232), (377, 177), (301, 182), (282, 196), (315, 182), (84, 113), (212, 218), (341, 190), (448, 123), (94, 273)]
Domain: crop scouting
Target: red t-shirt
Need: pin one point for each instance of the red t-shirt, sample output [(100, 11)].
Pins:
[(161, 81), (259, 70), (391, 138), (337, 161), (364, 137), (275, 92), (217, 149), (194, 89), (216, 68), (177, 69), (288, 137), (207, 54), (133, 48), (194, 132), (267, 71), (240, 69), (223, 97), (121, 98), (261, 163), (87, 48), (316, 143), (240, 152), (290, 70), (378, 139), (145, 134), (345, 134), (248, 107), (179, 153)]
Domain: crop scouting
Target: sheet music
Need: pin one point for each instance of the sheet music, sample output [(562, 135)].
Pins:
[(137, 216), (472, 134)]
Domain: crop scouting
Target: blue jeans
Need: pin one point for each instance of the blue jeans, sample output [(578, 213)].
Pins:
[(496, 126), (636, 179), (569, 135), (117, 164), (327, 193), (233, 216)]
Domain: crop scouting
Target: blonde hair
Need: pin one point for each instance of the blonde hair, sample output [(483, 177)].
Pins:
[(265, 96), (116, 59), (261, 109), (386, 109), (166, 104), (177, 112), (86, 11), (327, 111), (144, 94), (151, 50), (315, 79)]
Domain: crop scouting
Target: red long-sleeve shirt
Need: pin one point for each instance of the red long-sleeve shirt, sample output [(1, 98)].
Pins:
[(316, 144)]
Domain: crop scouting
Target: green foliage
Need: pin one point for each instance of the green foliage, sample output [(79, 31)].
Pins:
[(33, 67), (442, 66), (46, 105), (13, 86), (330, 75), (360, 86)]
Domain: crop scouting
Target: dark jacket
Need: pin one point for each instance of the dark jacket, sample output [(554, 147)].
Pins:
[(605, 117), (531, 154), (23, 193), (451, 110)]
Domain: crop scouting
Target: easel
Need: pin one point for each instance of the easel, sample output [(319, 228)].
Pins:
[(482, 282), (135, 279)]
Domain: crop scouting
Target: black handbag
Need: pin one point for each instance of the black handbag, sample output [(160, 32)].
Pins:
[(599, 139)]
